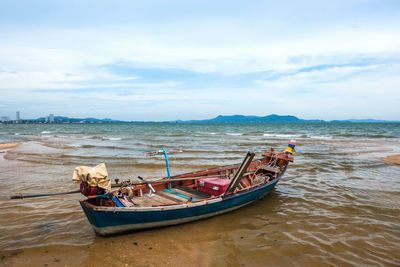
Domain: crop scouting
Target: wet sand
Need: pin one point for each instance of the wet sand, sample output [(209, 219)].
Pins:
[(395, 159)]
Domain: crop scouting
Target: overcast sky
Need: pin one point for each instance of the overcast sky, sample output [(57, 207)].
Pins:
[(167, 60)]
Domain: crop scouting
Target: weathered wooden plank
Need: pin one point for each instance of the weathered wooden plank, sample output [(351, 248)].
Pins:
[(270, 168), (193, 191), (169, 197), (162, 199), (145, 201), (194, 196), (172, 196)]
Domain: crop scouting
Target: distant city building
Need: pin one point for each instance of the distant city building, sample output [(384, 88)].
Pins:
[(5, 118), (51, 118), (17, 116)]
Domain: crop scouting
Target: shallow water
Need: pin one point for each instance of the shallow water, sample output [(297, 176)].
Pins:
[(337, 204)]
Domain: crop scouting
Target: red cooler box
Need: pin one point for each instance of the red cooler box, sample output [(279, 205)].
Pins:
[(213, 186)]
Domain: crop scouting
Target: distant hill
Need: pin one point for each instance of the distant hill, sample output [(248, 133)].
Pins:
[(253, 119), (274, 118)]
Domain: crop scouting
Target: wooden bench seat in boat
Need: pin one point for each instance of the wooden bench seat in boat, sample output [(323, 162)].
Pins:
[(189, 194), (172, 197), (187, 191), (147, 201), (174, 192), (155, 199), (182, 194)]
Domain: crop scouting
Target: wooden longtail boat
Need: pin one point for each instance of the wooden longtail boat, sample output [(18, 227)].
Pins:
[(186, 197)]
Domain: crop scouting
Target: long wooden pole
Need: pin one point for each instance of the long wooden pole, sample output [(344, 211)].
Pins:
[(44, 195), (240, 172), (20, 196)]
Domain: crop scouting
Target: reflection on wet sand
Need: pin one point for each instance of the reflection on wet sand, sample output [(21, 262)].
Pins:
[(8, 145), (393, 159)]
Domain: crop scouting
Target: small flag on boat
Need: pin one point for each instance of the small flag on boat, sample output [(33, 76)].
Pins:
[(291, 148)]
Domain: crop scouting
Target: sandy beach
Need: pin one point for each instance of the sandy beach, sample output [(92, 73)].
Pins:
[(395, 159), (8, 145)]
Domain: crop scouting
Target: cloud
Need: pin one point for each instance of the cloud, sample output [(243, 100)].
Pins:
[(222, 59)]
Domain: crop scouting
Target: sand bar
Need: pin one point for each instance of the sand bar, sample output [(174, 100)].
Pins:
[(393, 159), (8, 145)]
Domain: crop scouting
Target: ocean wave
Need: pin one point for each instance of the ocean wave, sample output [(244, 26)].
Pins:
[(206, 133), (323, 137), (100, 147), (93, 137), (282, 135), (111, 138), (269, 135), (73, 145), (339, 179), (234, 134), (46, 132)]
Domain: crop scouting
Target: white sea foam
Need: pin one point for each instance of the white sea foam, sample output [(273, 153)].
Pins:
[(320, 137), (204, 133), (46, 132), (234, 134), (269, 135), (281, 135), (287, 135), (74, 145), (112, 138)]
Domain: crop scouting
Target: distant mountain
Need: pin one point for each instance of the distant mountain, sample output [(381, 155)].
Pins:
[(253, 119), (219, 119)]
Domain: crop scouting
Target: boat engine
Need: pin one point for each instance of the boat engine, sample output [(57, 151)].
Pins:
[(87, 190)]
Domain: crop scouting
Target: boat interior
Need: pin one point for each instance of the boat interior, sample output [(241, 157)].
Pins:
[(199, 185)]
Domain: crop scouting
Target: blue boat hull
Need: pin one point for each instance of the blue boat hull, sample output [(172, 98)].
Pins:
[(112, 220)]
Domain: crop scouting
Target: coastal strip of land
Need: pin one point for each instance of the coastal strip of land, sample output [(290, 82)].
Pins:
[(8, 145), (395, 159)]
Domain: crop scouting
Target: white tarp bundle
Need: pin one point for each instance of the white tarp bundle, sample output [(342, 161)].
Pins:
[(96, 176)]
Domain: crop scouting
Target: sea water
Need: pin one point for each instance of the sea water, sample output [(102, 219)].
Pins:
[(337, 204)]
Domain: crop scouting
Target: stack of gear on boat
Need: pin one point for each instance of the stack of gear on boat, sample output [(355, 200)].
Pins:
[(94, 181), (290, 150)]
